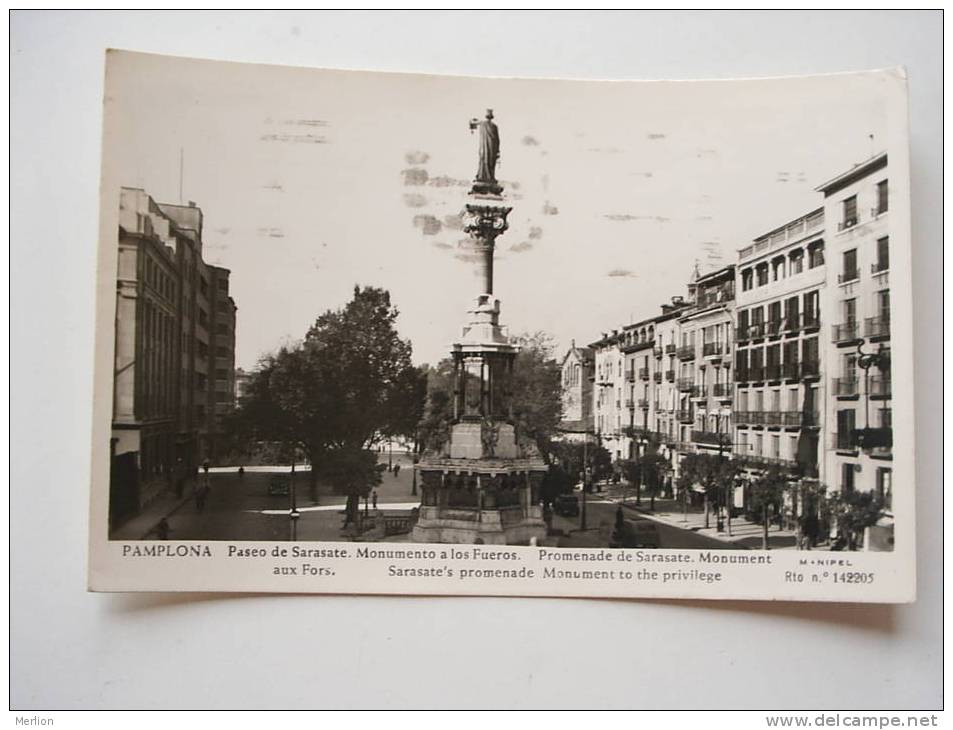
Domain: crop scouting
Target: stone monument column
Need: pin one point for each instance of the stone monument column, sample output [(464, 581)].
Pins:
[(483, 443)]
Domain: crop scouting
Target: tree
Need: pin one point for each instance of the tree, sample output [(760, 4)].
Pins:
[(767, 491), (854, 512), (655, 468), (537, 390), (336, 394), (711, 472)]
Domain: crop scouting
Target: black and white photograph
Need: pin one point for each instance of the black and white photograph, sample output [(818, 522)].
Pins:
[(579, 317)]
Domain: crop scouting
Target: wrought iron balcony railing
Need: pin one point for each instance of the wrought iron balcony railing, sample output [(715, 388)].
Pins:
[(844, 387), (877, 326), (686, 353), (847, 332)]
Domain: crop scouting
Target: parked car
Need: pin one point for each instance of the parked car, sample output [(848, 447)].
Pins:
[(636, 534), (566, 505), (279, 485)]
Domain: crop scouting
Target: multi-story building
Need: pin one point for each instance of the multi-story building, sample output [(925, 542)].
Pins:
[(608, 407), (577, 379), (222, 358), (779, 399), (857, 351), (162, 388), (704, 365), (666, 397)]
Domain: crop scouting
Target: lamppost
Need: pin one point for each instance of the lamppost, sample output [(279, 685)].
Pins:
[(293, 514)]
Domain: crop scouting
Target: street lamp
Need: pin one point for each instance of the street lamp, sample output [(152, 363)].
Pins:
[(293, 514)]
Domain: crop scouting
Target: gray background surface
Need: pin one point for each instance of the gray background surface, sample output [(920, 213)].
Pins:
[(71, 649)]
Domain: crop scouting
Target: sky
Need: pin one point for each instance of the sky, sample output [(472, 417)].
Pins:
[(313, 181)]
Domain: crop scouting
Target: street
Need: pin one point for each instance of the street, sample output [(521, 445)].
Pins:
[(600, 517)]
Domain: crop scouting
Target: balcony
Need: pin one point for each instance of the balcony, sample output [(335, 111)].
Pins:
[(686, 383), (699, 391), (772, 418), (878, 387), (810, 369), (670, 376), (810, 320), (713, 349), (657, 376), (670, 349), (844, 387), (773, 371), (711, 437), (741, 375), (846, 223), (686, 353), (848, 276), (870, 439), (644, 404), (657, 352), (879, 267), (722, 390), (756, 331), (630, 403), (684, 416), (630, 376), (773, 327), (635, 432), (877, 327), (741, 334), (643, 373), (761, 462), (791, 325), (843, 333), (790, 371)]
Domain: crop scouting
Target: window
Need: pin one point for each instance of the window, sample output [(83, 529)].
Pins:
[(762, 273), (850, 311), (747, 279), (793, 404), (758, 444), (883, 255), (790, 356), (797, 262), (850, 212), (777, 269), (775, 446), (742, 400), (811, 308), (791, 312), (816, 255), (847, 471), (850, 266), (846, 424), (776, 400), (810, 352), (885, 487), (743, 322), (883, 305), (774, 313), (881, 197)]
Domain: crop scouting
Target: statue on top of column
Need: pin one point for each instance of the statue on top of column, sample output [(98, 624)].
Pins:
[(489, 151)]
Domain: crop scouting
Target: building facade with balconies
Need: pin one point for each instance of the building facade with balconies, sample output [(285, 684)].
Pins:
[(610, 415), (704, 378), (858, 455), (779, 391)]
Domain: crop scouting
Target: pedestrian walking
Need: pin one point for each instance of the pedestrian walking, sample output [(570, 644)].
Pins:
[(374, 498), (396, 470), (163, 529)]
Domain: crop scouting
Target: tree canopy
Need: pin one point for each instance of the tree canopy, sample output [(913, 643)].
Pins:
[(337, 393)]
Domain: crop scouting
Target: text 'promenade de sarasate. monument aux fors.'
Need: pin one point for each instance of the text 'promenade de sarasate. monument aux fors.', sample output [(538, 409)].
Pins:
[(480, 484)]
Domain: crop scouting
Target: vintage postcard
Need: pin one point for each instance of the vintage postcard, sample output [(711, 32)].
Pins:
[(392, 333)]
